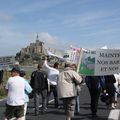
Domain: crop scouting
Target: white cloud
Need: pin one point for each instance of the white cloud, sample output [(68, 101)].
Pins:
[(48, 39), (5, 17), (90, 18), (102, 32), (51, 41), (12, 42)]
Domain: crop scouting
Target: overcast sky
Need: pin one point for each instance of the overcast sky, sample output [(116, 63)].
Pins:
[(59, 23)]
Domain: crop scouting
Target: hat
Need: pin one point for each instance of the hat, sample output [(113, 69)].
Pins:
[(15, 69)]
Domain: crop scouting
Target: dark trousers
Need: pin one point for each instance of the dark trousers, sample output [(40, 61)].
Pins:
[(43, 94), (1, 76), (53, 89), (94, 94), (111, 99)]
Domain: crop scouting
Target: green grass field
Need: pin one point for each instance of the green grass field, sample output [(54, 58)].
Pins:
[(5, 78)]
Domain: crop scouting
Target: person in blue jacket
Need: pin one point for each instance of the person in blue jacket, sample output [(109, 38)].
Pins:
[(28, 90)]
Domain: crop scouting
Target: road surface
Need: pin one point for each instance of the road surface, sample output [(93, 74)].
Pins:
[(58, 114)]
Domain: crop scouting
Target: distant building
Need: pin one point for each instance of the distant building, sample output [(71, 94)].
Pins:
[(35, 51), (33, 48), (6, 61)]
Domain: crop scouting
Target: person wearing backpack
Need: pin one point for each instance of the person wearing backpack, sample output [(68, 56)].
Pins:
[(40, 86), (95, 86)]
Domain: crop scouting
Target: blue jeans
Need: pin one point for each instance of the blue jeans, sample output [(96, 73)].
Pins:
[(77, 106)]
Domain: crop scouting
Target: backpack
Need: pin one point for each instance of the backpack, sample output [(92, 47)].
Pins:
[(104, 97), (39, 80)]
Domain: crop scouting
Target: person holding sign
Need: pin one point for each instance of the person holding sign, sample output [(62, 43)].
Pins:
[(53, 77), (95, 85)]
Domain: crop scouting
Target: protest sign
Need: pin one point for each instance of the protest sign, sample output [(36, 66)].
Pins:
[(100, 62), (72, 55)]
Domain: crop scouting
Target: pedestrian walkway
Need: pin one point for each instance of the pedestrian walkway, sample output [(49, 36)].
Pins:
[(114, 114), (58, 114)]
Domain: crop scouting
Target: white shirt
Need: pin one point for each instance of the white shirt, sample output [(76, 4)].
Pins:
[(117, 77), (53, 74), (15, 87)]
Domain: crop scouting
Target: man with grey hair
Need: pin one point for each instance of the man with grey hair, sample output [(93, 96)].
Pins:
[(40, 85)]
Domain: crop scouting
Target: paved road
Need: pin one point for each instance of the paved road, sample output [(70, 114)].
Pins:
[(58, 114)]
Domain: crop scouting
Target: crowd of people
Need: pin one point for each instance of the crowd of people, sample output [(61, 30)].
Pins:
[(64, 85)]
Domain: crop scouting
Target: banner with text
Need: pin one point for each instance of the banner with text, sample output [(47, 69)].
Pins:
[(100, 62)]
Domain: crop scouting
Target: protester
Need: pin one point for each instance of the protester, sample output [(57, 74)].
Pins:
[(28, 90), (77, 105), (40, 86), (15, 99), (68, 80), (110, 89), (1, 75), (95, 84), (53, 76), (116, 84)]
